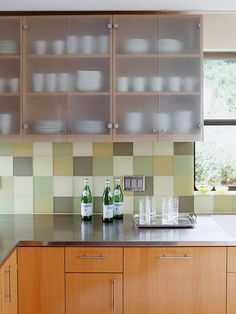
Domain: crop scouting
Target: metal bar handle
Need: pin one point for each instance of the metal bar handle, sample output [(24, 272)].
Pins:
[(9, 295), (176, 257), (113, 295), (92, 257)]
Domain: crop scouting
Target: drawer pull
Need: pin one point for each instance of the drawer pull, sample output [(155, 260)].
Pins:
[(113, 295), (176, 257), (9, 295), (92, 257)]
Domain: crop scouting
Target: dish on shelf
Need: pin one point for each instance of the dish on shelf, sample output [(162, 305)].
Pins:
[(168, 45), (7, 123), (8, 46), (133, 122), (136, 45), (221, 189), (204, 188), (48, 126), (89, 81), (89, 126)]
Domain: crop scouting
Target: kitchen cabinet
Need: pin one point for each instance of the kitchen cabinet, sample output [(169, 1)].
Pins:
[(41, 280), (175, 280), (231, 280), (9, 301)]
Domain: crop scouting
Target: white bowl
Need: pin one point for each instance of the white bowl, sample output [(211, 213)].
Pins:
[(133, 122), (168, 45), (136, 45), (221, 189)]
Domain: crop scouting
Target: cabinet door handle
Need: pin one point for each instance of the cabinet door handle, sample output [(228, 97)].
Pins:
[(92, 257), (9, 295), (113, 283), (176, 257), (26, 126)]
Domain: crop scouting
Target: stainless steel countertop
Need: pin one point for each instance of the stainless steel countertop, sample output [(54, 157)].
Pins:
[(60, 230)]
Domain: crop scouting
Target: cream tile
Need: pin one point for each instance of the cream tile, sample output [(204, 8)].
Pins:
[(62, 186), (6, 186), (43, 166), (23, 205), (143, 149), (23, 186), (203, 204), (99, 184), (122, 165), (163, 148), (79, 185), (42, 149), (163, 185), (82, 149), (6, 205), (6, 166)]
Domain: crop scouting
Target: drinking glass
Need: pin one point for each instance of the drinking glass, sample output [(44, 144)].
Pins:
[(170, 209)]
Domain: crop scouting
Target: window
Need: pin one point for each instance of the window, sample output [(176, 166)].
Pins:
[(215, 158)]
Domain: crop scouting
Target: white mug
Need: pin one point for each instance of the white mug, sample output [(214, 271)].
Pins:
[(38, 82), (122, 84), (175, 83), (58, 47), (63, 82), (2, 85), (156, 84), (51, 82), (14, 85), (87, 43), (139, 84), (72, 44), (103, 44), (40, 47), (189, 84)]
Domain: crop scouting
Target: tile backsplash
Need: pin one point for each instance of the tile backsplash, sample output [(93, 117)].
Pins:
[(48, 177)]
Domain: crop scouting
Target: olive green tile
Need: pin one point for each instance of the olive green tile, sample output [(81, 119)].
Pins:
[(102, 166), (183, 148), (62, 166), (186, 204), (76, 205), (123, 149), (6, 149), (6, 186), (163, 165), (223, 204), (97, 204), (22, 166), (43, 186), (82, 166), (63, 205), (6, 205), (183, 165), (23, 149), (43, 205), (183, 185), (143, 165), (62, 149), (163, 149), (102, 149), (148, 188)]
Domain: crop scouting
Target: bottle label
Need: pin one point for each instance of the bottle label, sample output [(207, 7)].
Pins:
[(86, 209), (118, 208), (107, 211), (110, 194), (117, 192), (85, 193)]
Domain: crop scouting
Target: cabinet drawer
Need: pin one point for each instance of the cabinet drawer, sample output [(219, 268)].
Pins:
[(231, 260), (94, 259)]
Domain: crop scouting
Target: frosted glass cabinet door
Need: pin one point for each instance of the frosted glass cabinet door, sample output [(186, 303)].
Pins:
[(89, 49), (45, 78), (10, 100), (137, 82), (180, 65)]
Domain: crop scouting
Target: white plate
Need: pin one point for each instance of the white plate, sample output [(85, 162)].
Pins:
[(169, 45)]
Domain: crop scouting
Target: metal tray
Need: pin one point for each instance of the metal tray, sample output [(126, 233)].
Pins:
[(184, 221)]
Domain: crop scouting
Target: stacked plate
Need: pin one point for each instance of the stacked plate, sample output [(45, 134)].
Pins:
[(136, 45), (169, 45), (90, 127), (89, 81), (8, 46), (48, 126), (7, 123)]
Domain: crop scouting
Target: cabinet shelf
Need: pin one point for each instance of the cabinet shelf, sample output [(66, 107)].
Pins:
[(47, 94), (71, 56), (9, 56), (158, 94), (157, 55), (68, 94), (9, 94)]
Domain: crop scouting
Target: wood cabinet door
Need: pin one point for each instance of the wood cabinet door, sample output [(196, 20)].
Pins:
[(93, 293), (9, 285), (175, 280), (41, 280), (231, 293)]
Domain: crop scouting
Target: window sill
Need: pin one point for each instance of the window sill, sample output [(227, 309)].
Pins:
[(214, 193)]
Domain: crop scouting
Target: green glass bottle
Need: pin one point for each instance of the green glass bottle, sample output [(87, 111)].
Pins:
[(107, 203), (86, 202), (118, 201)]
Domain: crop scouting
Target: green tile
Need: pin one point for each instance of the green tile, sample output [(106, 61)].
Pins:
[(76, 205), (143, 149), (223, 204), (164, 186), (186, 204), (6, 149), (6, 205), (6, 186), (63, 205), (123, 165), (102, 166), (23, 149), (22, 166), (234, 209), (43, 186), (97, 204), (62, 149), (82, 166), (143, 165), (123, 149), (43, 166), (6, 166), (183, 185), (203, 204), (43, 205), (163, 149), (62, 165), (163, 165), (183, 148), (148, 188), (102, 149), (183, 165)]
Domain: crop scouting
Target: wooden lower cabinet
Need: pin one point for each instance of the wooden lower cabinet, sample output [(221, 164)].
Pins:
[(94, 293), (231, 293), (41, 280), (175, 280)]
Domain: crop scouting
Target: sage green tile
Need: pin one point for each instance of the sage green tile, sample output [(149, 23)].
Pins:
[(186, 204), (82, 166), (143, 165), (183, 165), (43, 205), (163, 165), (163, 186), (62, 149), (76, 205), (6, 205), (97, 205), (43, 166), (123, 149), (223, 204), (6, 186), (62, 165), (143, 149), (6, 149), (102, 166), (163, 149), (183, 185), (102, 149), (23, 149), (22, 166), (123, 165), (182, 148), (63, 205), (148, 188), (203, 204), (43, 186)]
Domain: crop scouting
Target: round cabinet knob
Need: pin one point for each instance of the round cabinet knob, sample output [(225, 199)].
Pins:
[(109, 126), (109, 26), (116, 25), (154, 130), (199, 25), (116, 126), (199, 125), (25, 126), (25, 27)]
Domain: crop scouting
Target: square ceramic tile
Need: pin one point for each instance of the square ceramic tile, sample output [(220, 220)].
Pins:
[(186, 204), (42, 149), (6, 149), (234, 200), (63, 166), (223, 204), (122, 166), (23, 204), (43, 186), (102, 149), (78, 183), (43, 205), (163, 165), (76, 205), (128, 205), (23, 149), (6, 166), (183, 148), (148, 188), (63, 186), (163, 186), (183, 185), (143, 165), (6, 186), (22, 166), (62, 149), (99, 184), (102, 166), (63, 205), (82, 166), (143, 149), (97, 205), (203, 204), (6, 205), (183, 165), (43, 166), (82, 149), (23, 186), (122, 149), (163, 149)]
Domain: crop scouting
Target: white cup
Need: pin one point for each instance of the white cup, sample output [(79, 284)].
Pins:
[(72, 44), (156, 84), (51, 82), (175, 83), (87, 44), (58, 47), (2, 85), (6, 123), (122, 84), (103, 44), (14, 85), (189, 84), (139, 84), (38, 82), (63, 82), (40, 47)]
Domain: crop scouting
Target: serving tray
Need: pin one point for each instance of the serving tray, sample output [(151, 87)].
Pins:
[(184, 221)]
